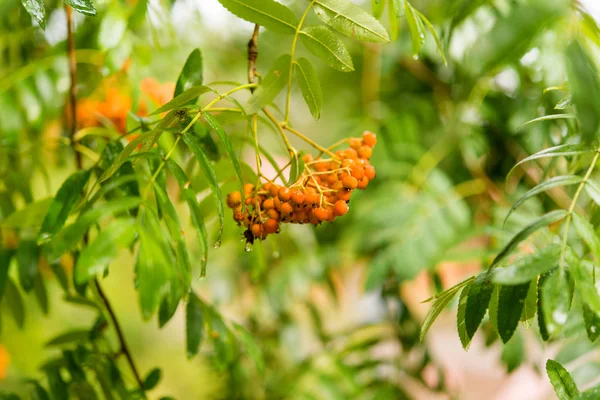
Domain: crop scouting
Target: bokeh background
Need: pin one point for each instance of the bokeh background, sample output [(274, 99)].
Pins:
[(336, 309)]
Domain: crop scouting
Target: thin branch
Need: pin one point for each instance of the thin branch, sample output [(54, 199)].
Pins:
[(79, 165), (252, 55)]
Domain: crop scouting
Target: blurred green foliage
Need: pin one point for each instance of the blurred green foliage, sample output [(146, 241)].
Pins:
[(458, 91)]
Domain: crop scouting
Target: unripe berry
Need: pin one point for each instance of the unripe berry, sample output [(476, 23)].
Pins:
[(340, 208)]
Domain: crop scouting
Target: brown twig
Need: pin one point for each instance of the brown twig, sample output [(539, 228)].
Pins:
[(252, 55), (79, 164)]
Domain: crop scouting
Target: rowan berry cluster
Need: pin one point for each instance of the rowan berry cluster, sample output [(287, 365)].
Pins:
[(321, 192)]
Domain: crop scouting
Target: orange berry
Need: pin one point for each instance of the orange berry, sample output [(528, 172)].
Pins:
[(273, 214), (299, 216), (311, 198), (358, 172), (268, 204), (340, 207), (348, 163), (266, 186), (238, 216), (350, 182), (331, 214), (297, 197), (350, 154), (338, 185), (249, 201), (363, 183), (369, 138), (271, 226), (248, 188), (284, 194), (365, 152), (307, 158), (277, 203), (273, 190), (286, 208), (321, 166), (257, 230), (370, 172), (234, 199), (320, 213), (344, 194), (355, 143), (331, 178)]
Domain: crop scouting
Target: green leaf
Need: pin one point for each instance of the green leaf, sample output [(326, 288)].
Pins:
[(550, 117), (323, 43), (593, 191), (530, 306), (556, 181), (416, 34), (268, 13), (176, 236), (112, 28), (41, 295), (218, 129), (191, 74), (512, 33), (209, 172), (62, 204), (377, 7), (528, 267), (541, 222), (591, 394), (540, 305), (438, 305), (310, 86), (585, 89), (556, 293), (513, 353), (154, 263), (461, 326), (350, 20), (196, 214), (493, 308), (27, 258), (296, 168), (592, 322), (563, 150), (393, 19), (587, 233), (71, 235), (477, 302), (185, 98), (36, 9), (271, 85), (561, 380), (581, 273), (69, 338), (564, 103), (434, 34), (14, 301), (510, 307), (5, 257), (194, 325), (84, 7), (30, 216), (98, 254), (152, 379), (252, 347)]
